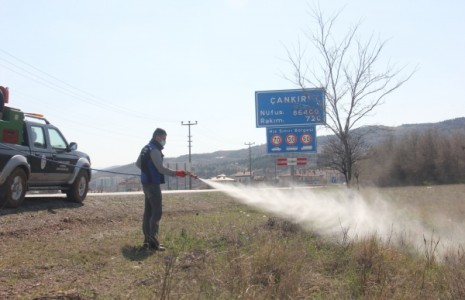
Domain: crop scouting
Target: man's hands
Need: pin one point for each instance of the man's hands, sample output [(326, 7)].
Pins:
[(182, 173)]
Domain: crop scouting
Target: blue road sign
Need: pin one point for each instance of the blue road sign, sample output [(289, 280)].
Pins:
[(291, 139), (284, 108)]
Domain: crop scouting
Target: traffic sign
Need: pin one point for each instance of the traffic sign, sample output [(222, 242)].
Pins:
[(292, 161), (291, 139), (301, 107), (281, 161)]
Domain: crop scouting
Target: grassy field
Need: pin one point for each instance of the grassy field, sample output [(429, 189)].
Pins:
[(221, 248)]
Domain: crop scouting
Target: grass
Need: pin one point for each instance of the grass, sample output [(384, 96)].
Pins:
[(218, 249)]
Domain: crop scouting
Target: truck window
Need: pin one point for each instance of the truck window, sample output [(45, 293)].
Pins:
[(56, 139), (38, 137)]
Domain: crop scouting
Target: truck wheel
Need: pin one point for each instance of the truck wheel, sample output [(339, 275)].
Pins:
[(79, 188), (15, 188)]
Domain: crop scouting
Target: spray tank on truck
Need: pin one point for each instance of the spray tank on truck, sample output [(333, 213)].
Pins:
[(11, 120)]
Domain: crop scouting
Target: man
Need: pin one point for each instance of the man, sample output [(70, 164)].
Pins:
[(150, 161)]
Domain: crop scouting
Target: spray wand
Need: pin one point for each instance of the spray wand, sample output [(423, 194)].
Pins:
[(192, 175)]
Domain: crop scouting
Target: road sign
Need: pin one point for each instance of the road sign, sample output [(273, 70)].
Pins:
[(291, 139), (292, 161), (301, 107), (282, 161)]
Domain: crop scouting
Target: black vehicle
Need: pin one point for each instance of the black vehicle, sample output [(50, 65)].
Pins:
[(34, 155)]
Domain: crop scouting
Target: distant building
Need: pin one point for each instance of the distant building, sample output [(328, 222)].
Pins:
[(312, 177), (243, 177), (222, 178), (129, 185), (104, 184)]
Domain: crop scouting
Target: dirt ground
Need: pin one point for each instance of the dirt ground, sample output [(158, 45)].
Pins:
[(39, 216), (50, 225)]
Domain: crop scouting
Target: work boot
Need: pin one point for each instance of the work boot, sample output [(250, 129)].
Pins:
[(160, 247), (156, 246)]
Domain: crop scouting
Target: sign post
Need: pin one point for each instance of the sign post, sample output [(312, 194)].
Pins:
[(290, 117)]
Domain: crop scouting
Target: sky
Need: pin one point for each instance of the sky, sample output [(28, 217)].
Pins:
[(107, 73)]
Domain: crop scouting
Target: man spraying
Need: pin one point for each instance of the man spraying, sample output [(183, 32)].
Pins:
[(150, 161)]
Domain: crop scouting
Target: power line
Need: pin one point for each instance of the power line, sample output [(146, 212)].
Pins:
[(250, 158), (65, 88), (189, 124)]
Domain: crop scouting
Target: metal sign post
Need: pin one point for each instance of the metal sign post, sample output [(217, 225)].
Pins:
[(290, 117)]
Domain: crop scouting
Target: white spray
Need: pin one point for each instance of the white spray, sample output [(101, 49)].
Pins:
[(331, 212)]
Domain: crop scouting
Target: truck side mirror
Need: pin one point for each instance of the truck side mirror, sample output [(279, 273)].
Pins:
[(73, 146)]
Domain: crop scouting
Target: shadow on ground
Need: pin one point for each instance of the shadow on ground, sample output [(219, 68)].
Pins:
[(135, 253), (40, 203)]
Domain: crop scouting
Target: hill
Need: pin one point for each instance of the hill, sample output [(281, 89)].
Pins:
[(232, 161)]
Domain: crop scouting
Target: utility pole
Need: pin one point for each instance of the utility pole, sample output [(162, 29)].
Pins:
[(189, 123), (250, 159)]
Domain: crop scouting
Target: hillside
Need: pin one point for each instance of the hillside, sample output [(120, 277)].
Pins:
[(232, 161)]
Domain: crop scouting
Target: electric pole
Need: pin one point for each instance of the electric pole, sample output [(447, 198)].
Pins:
[(250, 159), (189, 124)]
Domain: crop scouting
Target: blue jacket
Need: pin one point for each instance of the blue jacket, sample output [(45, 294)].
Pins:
[(149, 173)]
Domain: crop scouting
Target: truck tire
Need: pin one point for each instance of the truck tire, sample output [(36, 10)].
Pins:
[(15, 188), (78, 191)]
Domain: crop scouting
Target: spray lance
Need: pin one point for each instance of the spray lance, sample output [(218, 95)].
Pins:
[(192, 175)]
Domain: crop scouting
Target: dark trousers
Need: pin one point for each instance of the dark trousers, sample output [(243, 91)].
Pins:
[(152, 213)]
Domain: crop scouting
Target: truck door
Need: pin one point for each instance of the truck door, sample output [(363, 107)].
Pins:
[(40, 155), (64, 160)]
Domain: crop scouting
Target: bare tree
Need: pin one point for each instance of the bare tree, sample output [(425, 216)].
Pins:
[(335, 156), (348, 71)]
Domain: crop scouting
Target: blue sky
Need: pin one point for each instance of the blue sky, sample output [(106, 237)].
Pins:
[(107, 73)]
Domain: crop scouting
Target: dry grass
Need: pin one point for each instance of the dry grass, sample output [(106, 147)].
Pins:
[(217, 249)]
